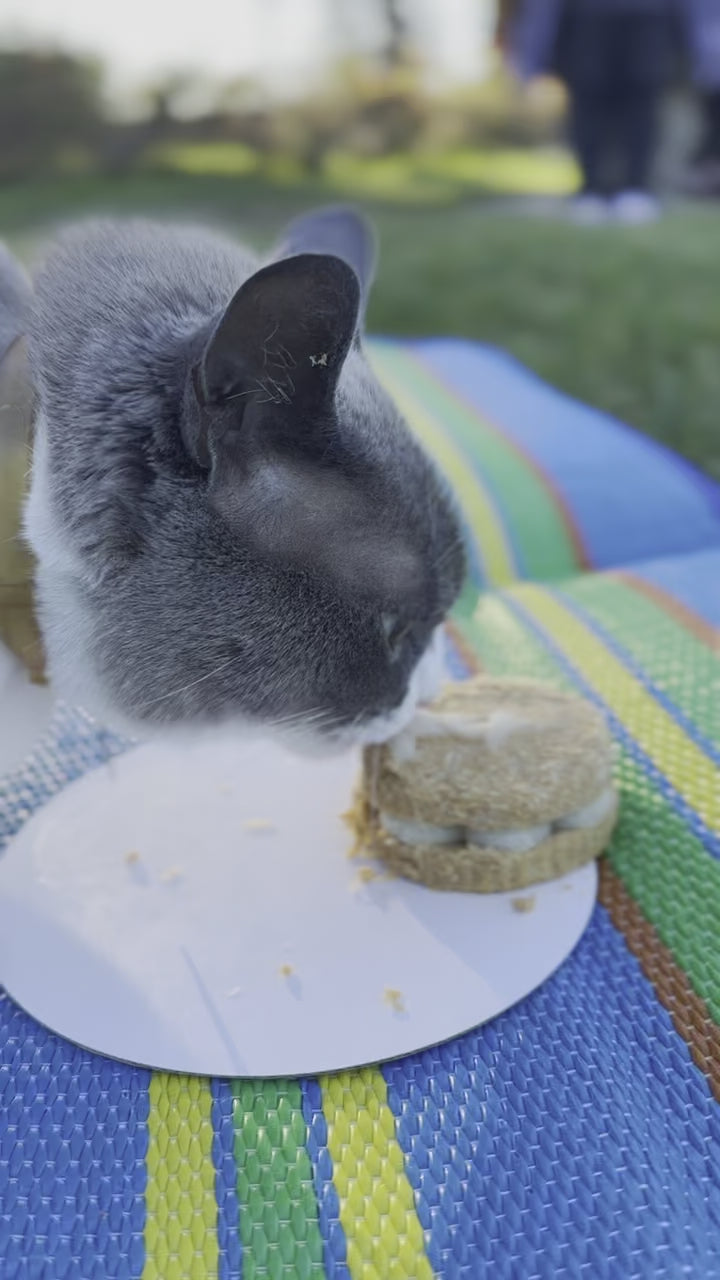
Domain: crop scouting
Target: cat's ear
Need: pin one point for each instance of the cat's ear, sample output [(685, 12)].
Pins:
[(284, 337), (341, 231)]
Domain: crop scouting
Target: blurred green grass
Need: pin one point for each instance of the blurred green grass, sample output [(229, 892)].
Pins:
[(627, 320)]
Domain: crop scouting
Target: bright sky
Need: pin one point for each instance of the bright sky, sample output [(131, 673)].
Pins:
[(279, 40)]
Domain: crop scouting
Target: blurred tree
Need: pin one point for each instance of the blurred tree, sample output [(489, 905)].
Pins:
[(51, 112), (396, 33), (163, 97), (506, 13), (386, 30)]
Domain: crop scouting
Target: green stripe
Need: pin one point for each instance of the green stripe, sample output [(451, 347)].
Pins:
[(483, 521), (686, 670), (278, 1210), (538, 526), (665, 868)]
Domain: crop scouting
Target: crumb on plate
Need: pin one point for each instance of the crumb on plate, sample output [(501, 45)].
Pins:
[(286, 971), (259, 824), (395, 999), (366, 875), (132, 857), (524, 904), (170, 875), (359, 819)]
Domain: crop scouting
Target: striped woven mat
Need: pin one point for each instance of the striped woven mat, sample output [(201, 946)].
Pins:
[(578, 1135)]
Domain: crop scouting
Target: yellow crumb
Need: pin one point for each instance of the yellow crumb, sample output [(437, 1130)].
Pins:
[(359, 819), (171, 874), (259, 824), (395, 999), (524, 904), (132, 857), (286, 971), (366, 875)]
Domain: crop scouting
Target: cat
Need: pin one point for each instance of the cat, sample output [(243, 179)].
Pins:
[(230, 518)]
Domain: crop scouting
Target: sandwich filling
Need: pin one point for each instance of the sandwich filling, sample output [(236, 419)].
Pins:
[(520, 840)]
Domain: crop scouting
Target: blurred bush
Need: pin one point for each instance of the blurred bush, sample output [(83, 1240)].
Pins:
[(51, 112), (53, 119)]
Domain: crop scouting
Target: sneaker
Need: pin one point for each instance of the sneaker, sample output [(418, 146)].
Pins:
[(635, 208), (589, 210)]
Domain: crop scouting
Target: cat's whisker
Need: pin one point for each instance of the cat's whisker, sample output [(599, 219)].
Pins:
[(238, 395), (191, 684), (449, 553), (300, 720)]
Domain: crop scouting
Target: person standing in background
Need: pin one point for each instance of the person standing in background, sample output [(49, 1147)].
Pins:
[(704, 36), (617, 58)]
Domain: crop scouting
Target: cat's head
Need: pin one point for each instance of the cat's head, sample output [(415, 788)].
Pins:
[(273, 546)]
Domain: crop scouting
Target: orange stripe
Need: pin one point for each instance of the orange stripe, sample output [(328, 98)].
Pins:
[(689, 1012), (468, 654)]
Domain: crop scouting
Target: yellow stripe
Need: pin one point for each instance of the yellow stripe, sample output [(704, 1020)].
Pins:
[(475, 500), (384, 1237), (181, 1225), (689, 770)]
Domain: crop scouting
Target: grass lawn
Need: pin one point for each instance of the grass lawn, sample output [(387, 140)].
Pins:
[(628, 320)]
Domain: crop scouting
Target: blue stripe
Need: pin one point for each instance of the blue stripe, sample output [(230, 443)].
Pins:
[(331, 1229), (223, 1151), (572, 1136), (661, 784), (694, 581), (609, 642), (73, 1147)]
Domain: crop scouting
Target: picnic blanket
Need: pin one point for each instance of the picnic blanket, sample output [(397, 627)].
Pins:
[(579, 1133)]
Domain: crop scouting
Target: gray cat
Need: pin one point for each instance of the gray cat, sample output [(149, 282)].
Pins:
[(231, 520)]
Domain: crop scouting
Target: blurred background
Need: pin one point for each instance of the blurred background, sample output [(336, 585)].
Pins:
[(243, 113)]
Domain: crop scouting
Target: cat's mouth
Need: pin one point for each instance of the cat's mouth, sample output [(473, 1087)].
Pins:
[(423, 686)]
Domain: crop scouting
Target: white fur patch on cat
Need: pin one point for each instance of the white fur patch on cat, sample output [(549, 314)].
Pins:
[(494, 729)]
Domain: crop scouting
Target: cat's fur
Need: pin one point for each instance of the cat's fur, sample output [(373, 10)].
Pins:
[(230, 517)]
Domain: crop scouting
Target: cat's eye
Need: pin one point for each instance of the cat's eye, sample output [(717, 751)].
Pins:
[(395, 631)]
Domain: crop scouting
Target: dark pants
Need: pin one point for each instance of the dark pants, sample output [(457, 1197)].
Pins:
[(709, 149), (616, 67), (615, 138)]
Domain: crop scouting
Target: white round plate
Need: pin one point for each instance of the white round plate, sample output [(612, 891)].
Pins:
[(191, 907)]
